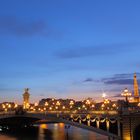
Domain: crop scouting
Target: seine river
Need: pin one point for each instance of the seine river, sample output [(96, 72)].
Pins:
[(56, 131)]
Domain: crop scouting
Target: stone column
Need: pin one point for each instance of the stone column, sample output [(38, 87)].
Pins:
[(107, 124), (88, 122)]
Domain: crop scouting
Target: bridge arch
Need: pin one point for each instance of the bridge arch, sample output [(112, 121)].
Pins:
[(26, 119), (17, 121)]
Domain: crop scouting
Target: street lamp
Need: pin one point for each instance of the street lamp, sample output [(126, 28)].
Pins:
[(35, 104), (126, 94), (106, 101), (138, 104), (58, 103), (88, 102)]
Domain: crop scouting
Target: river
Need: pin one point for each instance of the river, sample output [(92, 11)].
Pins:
[(56, 131)]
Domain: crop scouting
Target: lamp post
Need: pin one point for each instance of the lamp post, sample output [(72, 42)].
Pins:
[(67, 127), (126, 94)]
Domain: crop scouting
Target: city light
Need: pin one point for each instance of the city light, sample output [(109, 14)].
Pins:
[(106, 101), (114, 105), (46, 104), (87, 102), (103, 95), (36, 104), (71, 102), (16, 105), (68, 105), (58, 103)]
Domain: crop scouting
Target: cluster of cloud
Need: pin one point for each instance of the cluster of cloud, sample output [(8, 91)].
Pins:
[(121, 79), (14, 26), (117, 79), (99, 50)]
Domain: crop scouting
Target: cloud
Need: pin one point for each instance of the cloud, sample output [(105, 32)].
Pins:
[(12, 25), (100, 50), (124, 75), (90, 80), (121, 79), (117, 95)]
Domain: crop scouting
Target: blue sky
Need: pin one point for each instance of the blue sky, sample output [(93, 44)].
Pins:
[(68, 48)]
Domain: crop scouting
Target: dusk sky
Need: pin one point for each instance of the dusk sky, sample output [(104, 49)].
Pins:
[(68, 48)]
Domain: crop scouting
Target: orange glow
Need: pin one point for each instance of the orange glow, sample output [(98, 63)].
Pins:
[(71, 102), (106, 101), (15, 106), (83, 106), (58, 103), (9, 106), (114, 105), (43, 126), (87, 102), (36, 104), (46, 104), (50, 108), (61, 125), (103, 105)]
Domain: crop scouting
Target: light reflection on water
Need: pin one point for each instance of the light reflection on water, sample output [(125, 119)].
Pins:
[(55, 131)]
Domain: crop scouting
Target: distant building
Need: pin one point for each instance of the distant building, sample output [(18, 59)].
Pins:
[(26, 97)]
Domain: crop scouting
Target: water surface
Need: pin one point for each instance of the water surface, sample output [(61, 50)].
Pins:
[(56, 131)]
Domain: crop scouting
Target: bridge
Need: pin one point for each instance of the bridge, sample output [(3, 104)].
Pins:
[(78, 120), (116, 127)]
